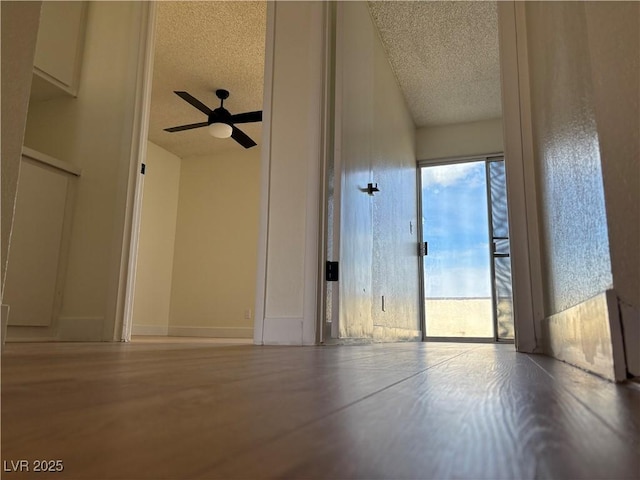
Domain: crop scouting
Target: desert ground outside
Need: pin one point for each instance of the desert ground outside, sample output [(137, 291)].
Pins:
[(466, 317)]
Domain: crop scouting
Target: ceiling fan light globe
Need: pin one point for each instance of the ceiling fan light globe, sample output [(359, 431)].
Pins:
[(220, 130)]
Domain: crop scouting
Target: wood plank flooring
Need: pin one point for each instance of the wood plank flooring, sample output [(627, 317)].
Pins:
[(413, 410)]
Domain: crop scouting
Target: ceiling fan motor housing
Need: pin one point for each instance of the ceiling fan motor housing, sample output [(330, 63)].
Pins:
[(221, 115)]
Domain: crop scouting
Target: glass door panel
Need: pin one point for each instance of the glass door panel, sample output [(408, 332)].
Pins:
[(500, 253), (457, 264)]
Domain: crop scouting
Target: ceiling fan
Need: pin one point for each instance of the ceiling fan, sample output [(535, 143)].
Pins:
[(220, 122)]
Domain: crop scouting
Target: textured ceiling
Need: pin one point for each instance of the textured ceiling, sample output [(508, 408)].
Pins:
[(445, 57), (444, 54), (200, 47)]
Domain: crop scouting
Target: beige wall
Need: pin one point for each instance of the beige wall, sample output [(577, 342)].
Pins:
[(94, 133), (32, 288), (378, 234), (214, 267), (156, 242), (461, 140), (19, 35), (59, 47)]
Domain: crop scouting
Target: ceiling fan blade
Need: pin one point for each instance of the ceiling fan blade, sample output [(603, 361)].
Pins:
[(194, 101), (242, 138), (247, 117), (186, 127)]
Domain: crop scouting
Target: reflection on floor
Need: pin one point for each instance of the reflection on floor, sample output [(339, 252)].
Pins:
[(145, 410)]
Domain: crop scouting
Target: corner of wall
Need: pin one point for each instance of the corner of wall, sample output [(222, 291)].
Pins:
[(19, 34), (630, 321), (460, 140), (588, 336), (288, 245)]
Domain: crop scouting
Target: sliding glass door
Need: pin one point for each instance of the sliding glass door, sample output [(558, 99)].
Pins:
[(466, 269)]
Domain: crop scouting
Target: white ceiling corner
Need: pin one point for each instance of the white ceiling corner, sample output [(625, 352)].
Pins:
[(445, 56)]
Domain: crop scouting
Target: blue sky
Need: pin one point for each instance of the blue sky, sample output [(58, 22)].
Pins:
[(455, 222)]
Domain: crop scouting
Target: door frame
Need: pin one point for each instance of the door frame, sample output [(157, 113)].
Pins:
[(526, 270), (329, 233), (423, 314), (521, 184), (123, 317)]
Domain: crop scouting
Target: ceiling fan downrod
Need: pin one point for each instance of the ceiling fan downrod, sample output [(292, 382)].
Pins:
[(222, 94)]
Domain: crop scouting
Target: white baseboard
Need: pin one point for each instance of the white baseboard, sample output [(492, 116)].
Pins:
[(283, 331), (80, 329), (153, 330), (588, 336), (214, 332)]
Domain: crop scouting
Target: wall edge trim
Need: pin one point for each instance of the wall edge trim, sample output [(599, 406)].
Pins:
[(588, 336)]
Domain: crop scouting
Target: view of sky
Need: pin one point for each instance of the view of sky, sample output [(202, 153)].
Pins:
[(455, 222)]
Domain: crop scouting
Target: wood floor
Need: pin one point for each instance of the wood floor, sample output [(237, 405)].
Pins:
[(207, 411)]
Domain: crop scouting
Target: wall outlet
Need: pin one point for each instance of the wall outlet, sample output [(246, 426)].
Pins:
[(247, 314)]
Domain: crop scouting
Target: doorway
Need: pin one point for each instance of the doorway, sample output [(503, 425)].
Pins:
[(466, 269), (198, 214)]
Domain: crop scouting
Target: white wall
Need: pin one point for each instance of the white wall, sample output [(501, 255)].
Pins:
[(154, 269), (584, 77), (378, 234), (461, 140), (286, 298), (19, 34), (575, 243), (214, 262), (94, 133), (614, 56), (355, 39)]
